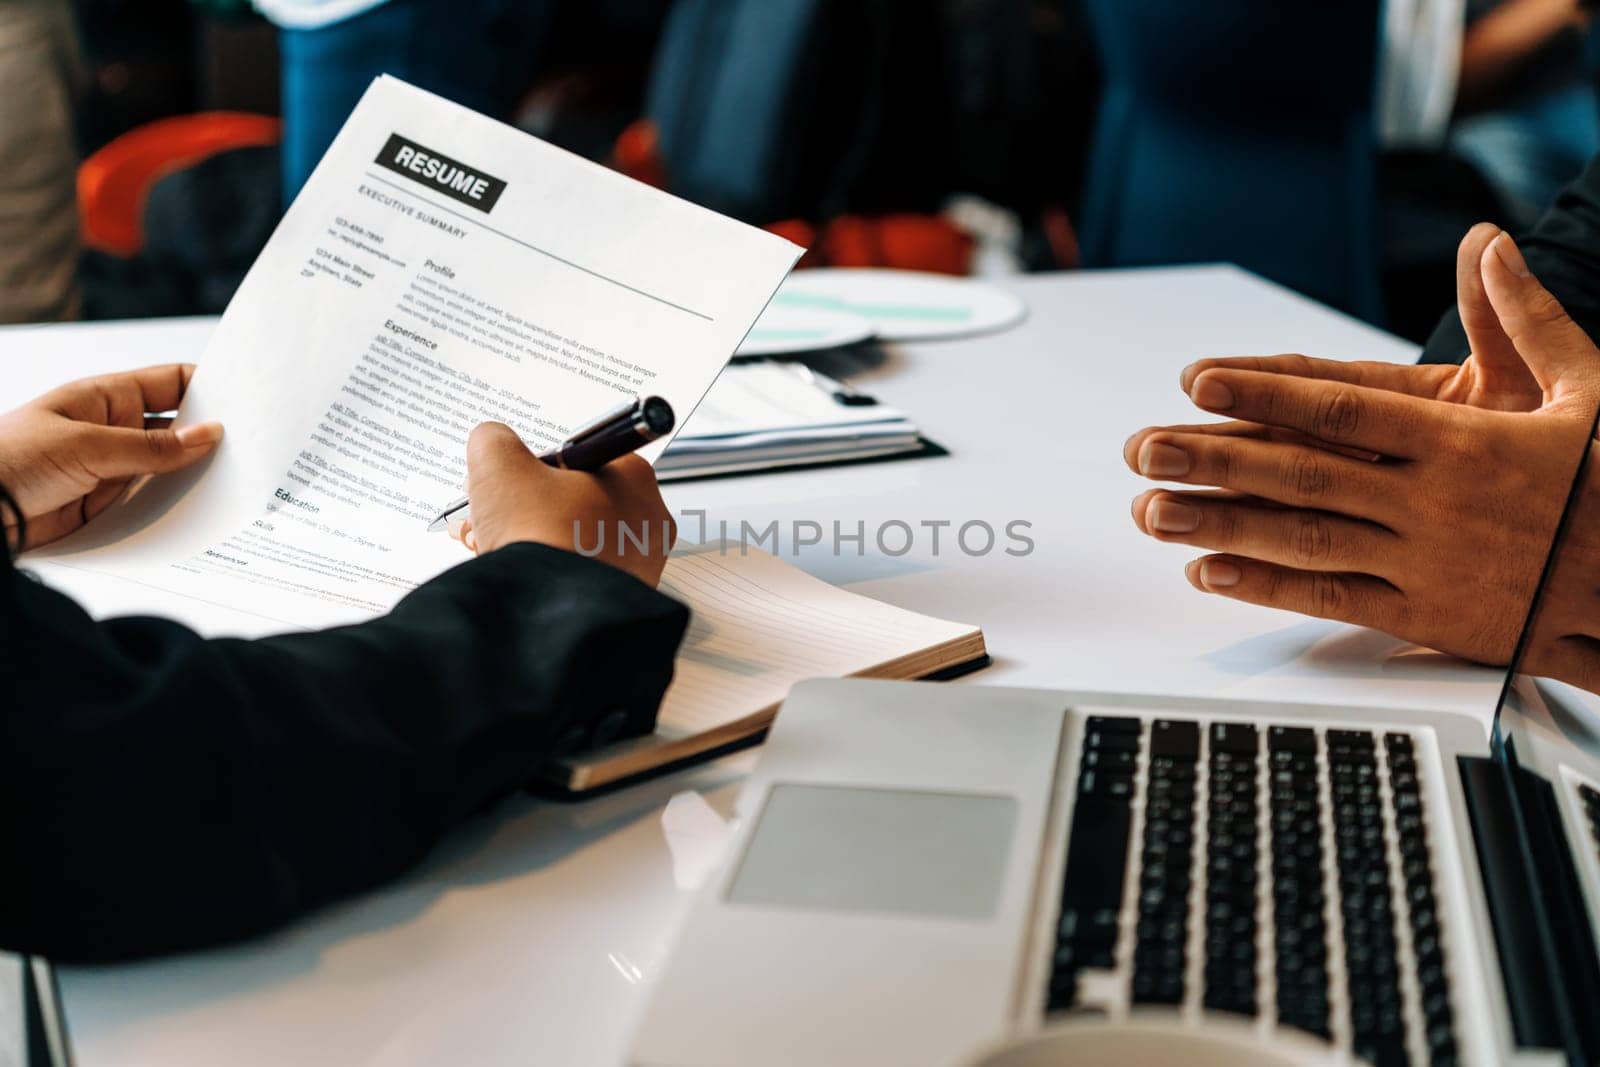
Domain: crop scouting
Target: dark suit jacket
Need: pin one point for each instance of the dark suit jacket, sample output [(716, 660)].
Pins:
[(159, 791), (1563, 250)]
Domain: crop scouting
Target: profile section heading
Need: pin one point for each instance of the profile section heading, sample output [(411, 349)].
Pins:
[(435, 170)]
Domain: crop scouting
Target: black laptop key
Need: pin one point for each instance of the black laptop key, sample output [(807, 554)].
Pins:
[(1367, 889), (1388, 1050), (1179, 792), (1110, 760), (1397, 744), (1417, 877), (1173, 768), (1442, 1047), (1342, 741), (1113, 785), (1160, 949), (1233, 737), (1112, 724), (1232, 853), (1098, 927), (1101, 742), (1062, 989), (1096, 955), (1299, 739), (1175, 740), (1300, 941), (1097, 856)]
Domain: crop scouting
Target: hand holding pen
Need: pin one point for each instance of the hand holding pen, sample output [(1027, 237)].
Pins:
[(518, 497), (612, 436)]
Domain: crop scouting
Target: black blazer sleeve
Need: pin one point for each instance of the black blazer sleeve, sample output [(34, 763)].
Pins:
[(161, 791), (1563, 250)]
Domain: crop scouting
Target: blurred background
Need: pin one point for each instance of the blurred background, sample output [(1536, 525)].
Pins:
[(1340, 148)]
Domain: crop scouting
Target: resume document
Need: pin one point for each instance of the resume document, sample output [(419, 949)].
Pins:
[(438, 270)]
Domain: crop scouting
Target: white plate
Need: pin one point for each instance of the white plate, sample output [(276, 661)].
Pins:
[(904, 305), (785, 330)]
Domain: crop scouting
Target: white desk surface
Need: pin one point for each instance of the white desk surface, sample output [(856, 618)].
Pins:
[(533, 934)]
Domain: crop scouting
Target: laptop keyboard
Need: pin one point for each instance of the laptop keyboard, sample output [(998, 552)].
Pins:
[(1272, 822)]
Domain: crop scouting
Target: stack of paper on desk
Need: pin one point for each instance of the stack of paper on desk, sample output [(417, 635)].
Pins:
[(764, 415)]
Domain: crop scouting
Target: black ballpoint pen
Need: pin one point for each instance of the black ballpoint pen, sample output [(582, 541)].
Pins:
[(612, 436)]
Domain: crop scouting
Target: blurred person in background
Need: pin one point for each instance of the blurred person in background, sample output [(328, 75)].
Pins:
[(41, 75), (1526, 106), (484, 55), (1486, 110), (1502, 84)]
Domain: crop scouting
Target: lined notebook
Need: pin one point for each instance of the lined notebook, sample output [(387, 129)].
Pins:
[(758, 626)]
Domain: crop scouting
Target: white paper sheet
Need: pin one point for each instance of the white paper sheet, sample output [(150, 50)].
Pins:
[(439, 269)]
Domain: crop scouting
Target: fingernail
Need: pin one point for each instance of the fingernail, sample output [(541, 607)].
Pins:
[(199, 435), (1219, 574), (1210, 393), (1157, 460), (1511, 256), (1174, 516)]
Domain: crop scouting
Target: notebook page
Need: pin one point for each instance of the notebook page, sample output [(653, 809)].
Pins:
[(760, 625)]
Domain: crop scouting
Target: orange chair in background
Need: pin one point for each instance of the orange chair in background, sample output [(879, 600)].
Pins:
[(114, 182), (902, 241)]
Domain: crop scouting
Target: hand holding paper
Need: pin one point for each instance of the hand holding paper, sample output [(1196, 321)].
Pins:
[(71, 453), (439, 270)]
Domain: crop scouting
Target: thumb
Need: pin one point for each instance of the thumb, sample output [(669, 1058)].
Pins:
[(1550, 343), (118, 452), (1486, 338)]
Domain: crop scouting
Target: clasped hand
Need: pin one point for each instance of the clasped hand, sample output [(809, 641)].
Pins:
[(1418, 500)]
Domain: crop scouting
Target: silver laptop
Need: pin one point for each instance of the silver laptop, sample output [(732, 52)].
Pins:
[(922, 870)]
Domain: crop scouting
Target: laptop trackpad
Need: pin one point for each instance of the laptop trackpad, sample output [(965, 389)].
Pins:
[(878, 850)]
